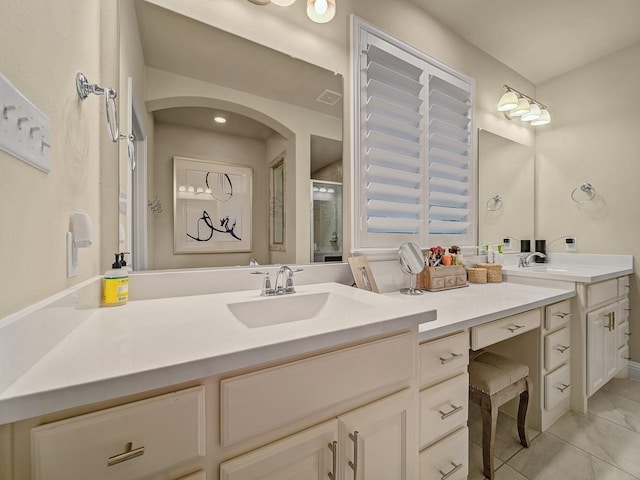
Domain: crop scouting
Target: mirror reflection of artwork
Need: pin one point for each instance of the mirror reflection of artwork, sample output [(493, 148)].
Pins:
[(212, 206)]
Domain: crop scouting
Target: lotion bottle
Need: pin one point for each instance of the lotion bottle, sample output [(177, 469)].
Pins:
[(115, 285)]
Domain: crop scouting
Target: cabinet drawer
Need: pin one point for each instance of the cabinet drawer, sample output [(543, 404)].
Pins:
[(557, 386), (622, 331), (443, 357), (162, 432), (623, 286), (623, 310), (263, 401), (601, 292), (443, 408), (449, 458), (557, 315), (623, 357), (557, 349), (499, 330)]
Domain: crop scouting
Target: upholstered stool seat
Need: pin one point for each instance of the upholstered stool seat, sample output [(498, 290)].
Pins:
[(493, 381)]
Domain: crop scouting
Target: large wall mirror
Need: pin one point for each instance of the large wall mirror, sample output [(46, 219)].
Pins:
[(273, 106), (506, 190)]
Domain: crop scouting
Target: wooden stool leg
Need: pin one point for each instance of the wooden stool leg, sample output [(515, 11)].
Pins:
[(522, 414), (489, 423)]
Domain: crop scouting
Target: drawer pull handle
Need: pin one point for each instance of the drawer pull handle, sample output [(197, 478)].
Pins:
[(450, 472), (563, 348), (563, 387), (454, 409), (128, 454), (562, 314), (333, 446), (514, 328), (628, 334), (354, 465), (453, 356), (627, 358)]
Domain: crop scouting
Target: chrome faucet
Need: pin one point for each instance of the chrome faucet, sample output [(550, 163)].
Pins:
[(525, 258), (283, 284), (284, 281)]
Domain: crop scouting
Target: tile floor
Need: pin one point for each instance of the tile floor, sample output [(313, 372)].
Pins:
[(604, 445)]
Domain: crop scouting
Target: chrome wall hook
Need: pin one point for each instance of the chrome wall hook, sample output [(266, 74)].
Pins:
[(86, 88)]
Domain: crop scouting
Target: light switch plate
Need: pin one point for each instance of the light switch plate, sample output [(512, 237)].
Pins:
[(25, 132)]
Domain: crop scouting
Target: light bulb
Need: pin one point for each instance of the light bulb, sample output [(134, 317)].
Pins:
[(323, 190), (532, 114), (522, 108), (182, 188), (508, 101), (544, 118), (320, 6), (190, 189)]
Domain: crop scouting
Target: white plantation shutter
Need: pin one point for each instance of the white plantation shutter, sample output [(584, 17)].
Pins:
[(414, 170)]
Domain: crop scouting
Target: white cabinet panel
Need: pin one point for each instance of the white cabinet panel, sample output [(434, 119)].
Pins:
[(448, 458), (557, 315), (263, 401), (380, 440), (557, 348), (443, 357), (601, 292), (443, 408), (602, 349), (557, 386), (160, 432), (303, 456)]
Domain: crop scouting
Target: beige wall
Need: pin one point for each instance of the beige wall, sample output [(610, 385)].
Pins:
[(594, 137), (170, 141), (44, 44)]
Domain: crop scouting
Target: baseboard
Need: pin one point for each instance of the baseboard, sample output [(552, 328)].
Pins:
[(634, 370)]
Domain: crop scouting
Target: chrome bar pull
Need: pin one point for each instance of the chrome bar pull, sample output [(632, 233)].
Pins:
[(454, 409), (563, 348), (333, 446), (128, 454), (563, 387), (453, 356), (354, 465), (514, 328), (455, 468), (609, 325)]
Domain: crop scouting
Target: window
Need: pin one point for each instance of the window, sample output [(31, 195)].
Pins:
[(414, 177)]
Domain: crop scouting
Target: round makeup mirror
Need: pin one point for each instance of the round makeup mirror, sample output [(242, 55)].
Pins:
[(411, 263)]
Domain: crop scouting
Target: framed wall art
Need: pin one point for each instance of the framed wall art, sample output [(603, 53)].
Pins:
[(211, 206)]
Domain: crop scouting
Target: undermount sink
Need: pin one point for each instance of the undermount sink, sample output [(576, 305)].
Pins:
[(269, 311)]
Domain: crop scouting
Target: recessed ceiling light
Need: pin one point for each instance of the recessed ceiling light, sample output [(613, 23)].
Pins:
[(219, 119)]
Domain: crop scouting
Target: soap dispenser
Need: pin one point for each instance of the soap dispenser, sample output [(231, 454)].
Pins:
[(116, 284)]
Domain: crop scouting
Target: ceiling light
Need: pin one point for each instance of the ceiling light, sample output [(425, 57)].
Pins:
[(321, 11), (283, 3), (523, 107), (508, 101), (219, 119), (532, 114), (543, 119)]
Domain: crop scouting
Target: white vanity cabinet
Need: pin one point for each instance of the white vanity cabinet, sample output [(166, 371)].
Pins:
[(606, 308), (444, 402)]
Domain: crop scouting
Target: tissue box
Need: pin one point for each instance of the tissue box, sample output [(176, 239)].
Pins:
[(435, 279)]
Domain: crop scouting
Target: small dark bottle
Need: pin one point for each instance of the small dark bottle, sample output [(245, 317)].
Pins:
[(541, 247), (525, 246)]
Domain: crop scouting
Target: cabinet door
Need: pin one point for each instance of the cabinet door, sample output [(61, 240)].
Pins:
[(380, 441), (601, 348), (303, 456)]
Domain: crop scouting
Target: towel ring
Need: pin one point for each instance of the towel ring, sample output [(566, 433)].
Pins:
[(85, 88), (496, 201), (587, 188)]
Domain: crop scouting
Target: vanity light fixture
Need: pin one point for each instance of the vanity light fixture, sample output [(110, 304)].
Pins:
[(321, 11), (514, 103)]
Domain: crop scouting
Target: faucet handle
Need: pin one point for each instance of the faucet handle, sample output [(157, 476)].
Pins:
[(266, 284)]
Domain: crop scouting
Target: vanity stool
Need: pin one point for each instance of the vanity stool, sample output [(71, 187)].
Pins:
[(493, 381)]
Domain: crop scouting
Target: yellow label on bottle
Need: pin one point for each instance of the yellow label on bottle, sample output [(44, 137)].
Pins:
[(116, 290)]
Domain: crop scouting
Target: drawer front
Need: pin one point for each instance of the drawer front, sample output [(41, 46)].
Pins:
[(195, 476), (443, 408), (557, 315), (623, 310), (557, 348), (448, 459), (263, 401), (601, 292), (443, 357), (623, 357), (557, 386), (163, 431), (623, 286), (493, 332)]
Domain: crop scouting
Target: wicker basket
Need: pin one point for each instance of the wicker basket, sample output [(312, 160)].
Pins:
[(494, 271), (477, 275)]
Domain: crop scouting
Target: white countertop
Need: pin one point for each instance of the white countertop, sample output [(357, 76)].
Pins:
[(462, 308), (155, 343)]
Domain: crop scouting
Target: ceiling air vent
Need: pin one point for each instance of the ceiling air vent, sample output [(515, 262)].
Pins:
[(329, 97)]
